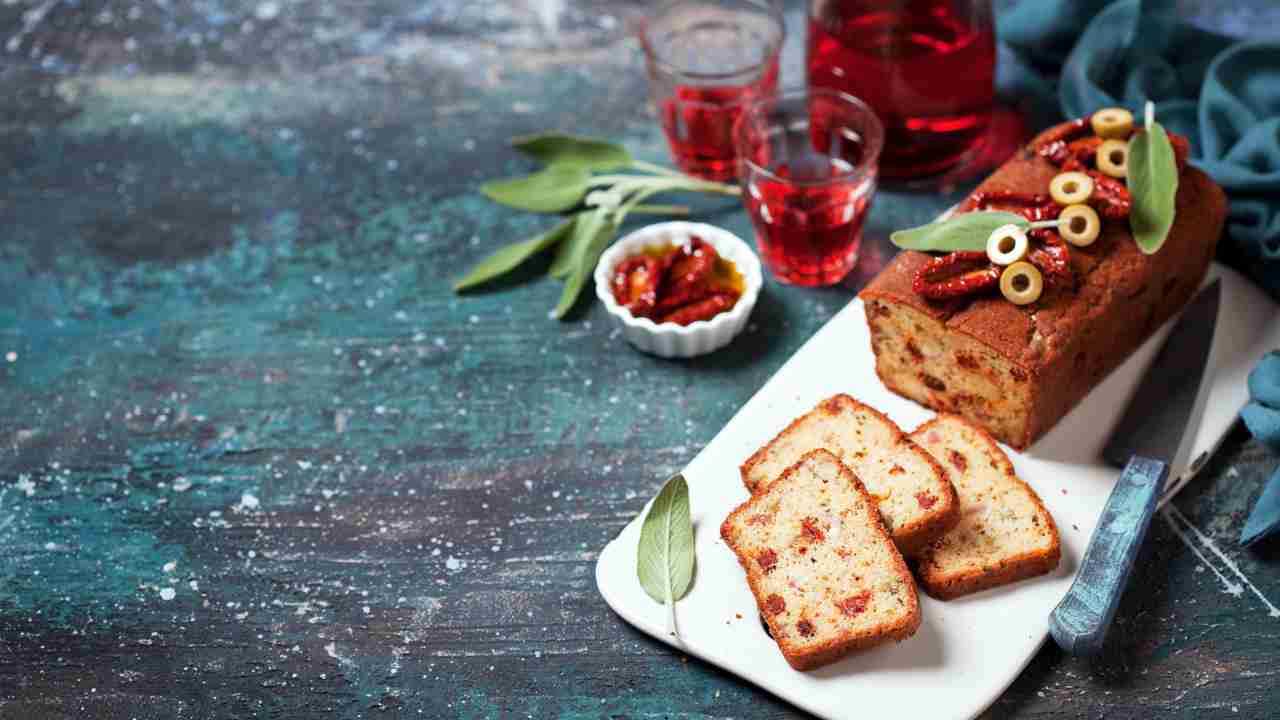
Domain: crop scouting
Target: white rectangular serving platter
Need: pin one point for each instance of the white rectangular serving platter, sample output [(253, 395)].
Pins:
[(968, 650)]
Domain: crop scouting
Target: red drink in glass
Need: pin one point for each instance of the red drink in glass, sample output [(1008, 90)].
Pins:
[(707, 60), (808, 176), (698, 123), (926, 66)]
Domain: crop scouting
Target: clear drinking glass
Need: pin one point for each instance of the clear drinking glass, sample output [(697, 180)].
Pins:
[(808, 170), (708, 59), (927, 67)]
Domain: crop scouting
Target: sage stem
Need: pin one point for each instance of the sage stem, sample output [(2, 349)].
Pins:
[(655, 168), (661, 209)]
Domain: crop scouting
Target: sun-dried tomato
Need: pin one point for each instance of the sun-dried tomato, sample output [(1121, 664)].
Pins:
[(701, 310), (1110, 196), (1051, 257), (811, 529), (767, 559), (686, 278), (1032, 206), (957, 274), (1054, 147), (1081, 154), (854, 604), (635, 284)]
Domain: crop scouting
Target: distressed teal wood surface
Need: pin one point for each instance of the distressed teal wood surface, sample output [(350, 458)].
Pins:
[(257, 460)]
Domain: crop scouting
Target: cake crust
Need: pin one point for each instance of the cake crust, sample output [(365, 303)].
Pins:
[(1052, 352)]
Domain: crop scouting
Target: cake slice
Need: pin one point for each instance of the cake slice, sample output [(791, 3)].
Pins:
[(915, 498), (825, 574), (1005, 533)]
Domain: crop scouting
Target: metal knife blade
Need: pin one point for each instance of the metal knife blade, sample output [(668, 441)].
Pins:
[(1156, 419)]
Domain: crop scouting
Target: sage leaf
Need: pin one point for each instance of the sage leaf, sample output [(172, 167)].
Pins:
[(562, 263), (509, 257), (552, 189), (1153, 184), (966, 231), (664, 561), (592, 232), (564, 150)]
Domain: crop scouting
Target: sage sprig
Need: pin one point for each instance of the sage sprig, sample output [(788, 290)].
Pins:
[(664, 561), (560, 149), (553, 189), (580, 176), (509, 257), (1153, 184), (965, 231)]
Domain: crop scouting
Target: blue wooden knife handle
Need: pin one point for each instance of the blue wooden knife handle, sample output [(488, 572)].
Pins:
[(1079, 624)]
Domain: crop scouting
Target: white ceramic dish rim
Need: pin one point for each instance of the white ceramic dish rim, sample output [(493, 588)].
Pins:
[(742, 256)]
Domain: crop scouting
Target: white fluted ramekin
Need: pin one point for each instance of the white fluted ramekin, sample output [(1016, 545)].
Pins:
[(669, 339)]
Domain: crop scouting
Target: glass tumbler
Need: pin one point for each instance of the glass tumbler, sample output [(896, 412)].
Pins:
[(708, 59), (808, 171)]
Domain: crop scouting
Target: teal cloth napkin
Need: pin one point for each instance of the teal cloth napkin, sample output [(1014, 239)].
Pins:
[(1222, 93), (1262, 416)]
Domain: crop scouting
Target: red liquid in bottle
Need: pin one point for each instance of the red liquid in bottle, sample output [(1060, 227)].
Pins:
[(698, 122), (809, 234), (926, 67)]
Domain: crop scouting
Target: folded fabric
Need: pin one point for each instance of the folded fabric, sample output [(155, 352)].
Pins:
[(1262, 416), (1264, 521)]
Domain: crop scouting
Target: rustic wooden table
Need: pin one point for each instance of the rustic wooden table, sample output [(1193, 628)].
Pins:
[(257, 460)]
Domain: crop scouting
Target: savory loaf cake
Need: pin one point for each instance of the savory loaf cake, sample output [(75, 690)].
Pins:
[(1017, 369), (826, 576), (911, 490), (1005, 533)]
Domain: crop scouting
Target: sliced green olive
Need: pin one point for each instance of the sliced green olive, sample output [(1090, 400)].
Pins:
[(1113, 158), (1007, 245), (1021, 283), (1079, 225), (1112, 123), (1070, 188)]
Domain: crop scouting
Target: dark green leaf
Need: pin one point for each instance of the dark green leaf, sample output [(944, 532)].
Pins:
[(510, 256), (966, 231), (1153, 183), (562, 264), (592, 232), (664, 560), (552, 189), (560, 149), (567, 251)]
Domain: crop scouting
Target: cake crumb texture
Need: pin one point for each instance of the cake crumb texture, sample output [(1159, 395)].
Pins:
[(911, 490), (825, 574), (1005, 533)]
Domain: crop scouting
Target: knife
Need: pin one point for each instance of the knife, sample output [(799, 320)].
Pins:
[(1148, 441)]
